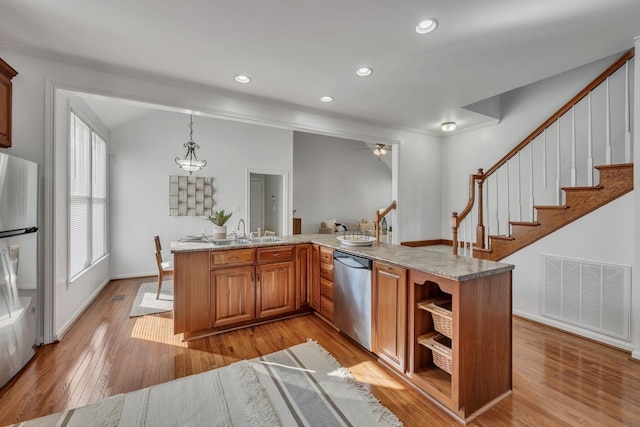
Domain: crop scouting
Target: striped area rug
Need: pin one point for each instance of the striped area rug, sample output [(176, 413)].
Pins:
[(146, 302), (300, 386)]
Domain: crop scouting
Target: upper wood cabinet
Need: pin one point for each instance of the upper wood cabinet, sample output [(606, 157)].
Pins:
[(6, 74)]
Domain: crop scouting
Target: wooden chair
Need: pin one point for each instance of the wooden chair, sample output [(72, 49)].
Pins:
[(164, 268)]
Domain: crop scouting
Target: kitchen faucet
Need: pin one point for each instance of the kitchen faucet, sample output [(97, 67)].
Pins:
[(243, 227)]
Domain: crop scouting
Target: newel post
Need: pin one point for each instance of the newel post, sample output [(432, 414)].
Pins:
[(480, 229), (454, 227)]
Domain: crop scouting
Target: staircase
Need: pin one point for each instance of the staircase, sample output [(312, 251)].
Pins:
[(516, 197), (615, 181)]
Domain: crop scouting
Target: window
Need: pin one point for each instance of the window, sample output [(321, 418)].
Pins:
[(87, 196)]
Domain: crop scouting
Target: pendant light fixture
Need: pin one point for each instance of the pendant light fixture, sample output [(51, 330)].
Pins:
[(190, 162)]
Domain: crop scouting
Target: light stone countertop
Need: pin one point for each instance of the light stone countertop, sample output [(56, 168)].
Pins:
[(415, 258)]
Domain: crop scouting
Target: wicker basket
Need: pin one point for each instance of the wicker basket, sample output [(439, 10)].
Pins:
[(440, 309), (440, 347)]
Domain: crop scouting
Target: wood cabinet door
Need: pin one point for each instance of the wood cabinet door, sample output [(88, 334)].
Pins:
[(303, 275), (315, 277), (232, 296), (389, 314), (190, 292), (275, 289)]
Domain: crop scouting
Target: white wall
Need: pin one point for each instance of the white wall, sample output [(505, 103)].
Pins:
[(599, 237), (420, 174), (336, 178), (143, 153)]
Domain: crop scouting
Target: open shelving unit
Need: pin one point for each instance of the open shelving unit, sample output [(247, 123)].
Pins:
[(459, 338), (424, 369)]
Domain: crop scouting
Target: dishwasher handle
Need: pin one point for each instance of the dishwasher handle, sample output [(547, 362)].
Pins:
[(352, 261)]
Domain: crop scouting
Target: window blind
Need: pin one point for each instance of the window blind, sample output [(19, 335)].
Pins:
[(87, 196)]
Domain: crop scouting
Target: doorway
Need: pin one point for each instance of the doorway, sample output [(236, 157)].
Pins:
[(267, 201)]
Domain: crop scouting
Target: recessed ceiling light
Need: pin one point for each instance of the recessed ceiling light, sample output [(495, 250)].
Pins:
[(242, 78), (326, 99), (364, 71), (448, 126), (427, 26)]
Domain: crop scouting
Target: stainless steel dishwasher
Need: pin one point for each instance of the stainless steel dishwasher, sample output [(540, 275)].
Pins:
[(352, 296)]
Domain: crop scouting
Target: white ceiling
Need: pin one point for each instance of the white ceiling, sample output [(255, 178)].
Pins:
[(296, 51)]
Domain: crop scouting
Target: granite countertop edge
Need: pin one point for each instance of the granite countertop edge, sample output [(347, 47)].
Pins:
[(414, 258)]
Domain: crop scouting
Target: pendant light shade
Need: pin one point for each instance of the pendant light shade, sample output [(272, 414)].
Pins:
[(190, 162)]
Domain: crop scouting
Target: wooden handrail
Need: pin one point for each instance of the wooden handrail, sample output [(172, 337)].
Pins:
[(380, 215), (456, 218), (566, 107)]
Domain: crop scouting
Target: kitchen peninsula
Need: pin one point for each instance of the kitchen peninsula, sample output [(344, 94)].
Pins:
[(442, 322)]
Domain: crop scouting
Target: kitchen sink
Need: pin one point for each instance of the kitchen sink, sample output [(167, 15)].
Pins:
[(229, 242), (267, 239), (235, 242)]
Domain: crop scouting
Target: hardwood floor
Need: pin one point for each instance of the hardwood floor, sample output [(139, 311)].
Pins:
[(558, 379)]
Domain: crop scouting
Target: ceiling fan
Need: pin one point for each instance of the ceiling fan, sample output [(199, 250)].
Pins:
[(379, 149)]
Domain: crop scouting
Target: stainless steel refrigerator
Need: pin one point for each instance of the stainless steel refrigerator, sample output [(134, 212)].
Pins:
[(19, 289)]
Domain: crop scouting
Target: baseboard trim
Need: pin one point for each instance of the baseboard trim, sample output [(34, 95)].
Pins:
[(597, 338), (134, 275), (69, 323)]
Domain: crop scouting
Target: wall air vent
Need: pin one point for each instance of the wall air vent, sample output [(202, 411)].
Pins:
[(587, 294)]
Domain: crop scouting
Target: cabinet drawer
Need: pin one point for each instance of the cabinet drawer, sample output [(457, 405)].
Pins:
[(275, 254), (233, 257), (326, 270), (390, 269), (326, 308), (326, 255), (326, 288)]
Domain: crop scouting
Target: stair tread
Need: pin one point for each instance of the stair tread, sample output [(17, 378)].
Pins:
[(586, 188), (551, 207), (617, 166), (501, 237), (525, 223)]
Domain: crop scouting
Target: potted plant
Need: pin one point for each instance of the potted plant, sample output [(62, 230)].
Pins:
[(219, 218)]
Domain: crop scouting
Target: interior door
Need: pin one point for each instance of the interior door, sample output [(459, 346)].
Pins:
[(256, 208)]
